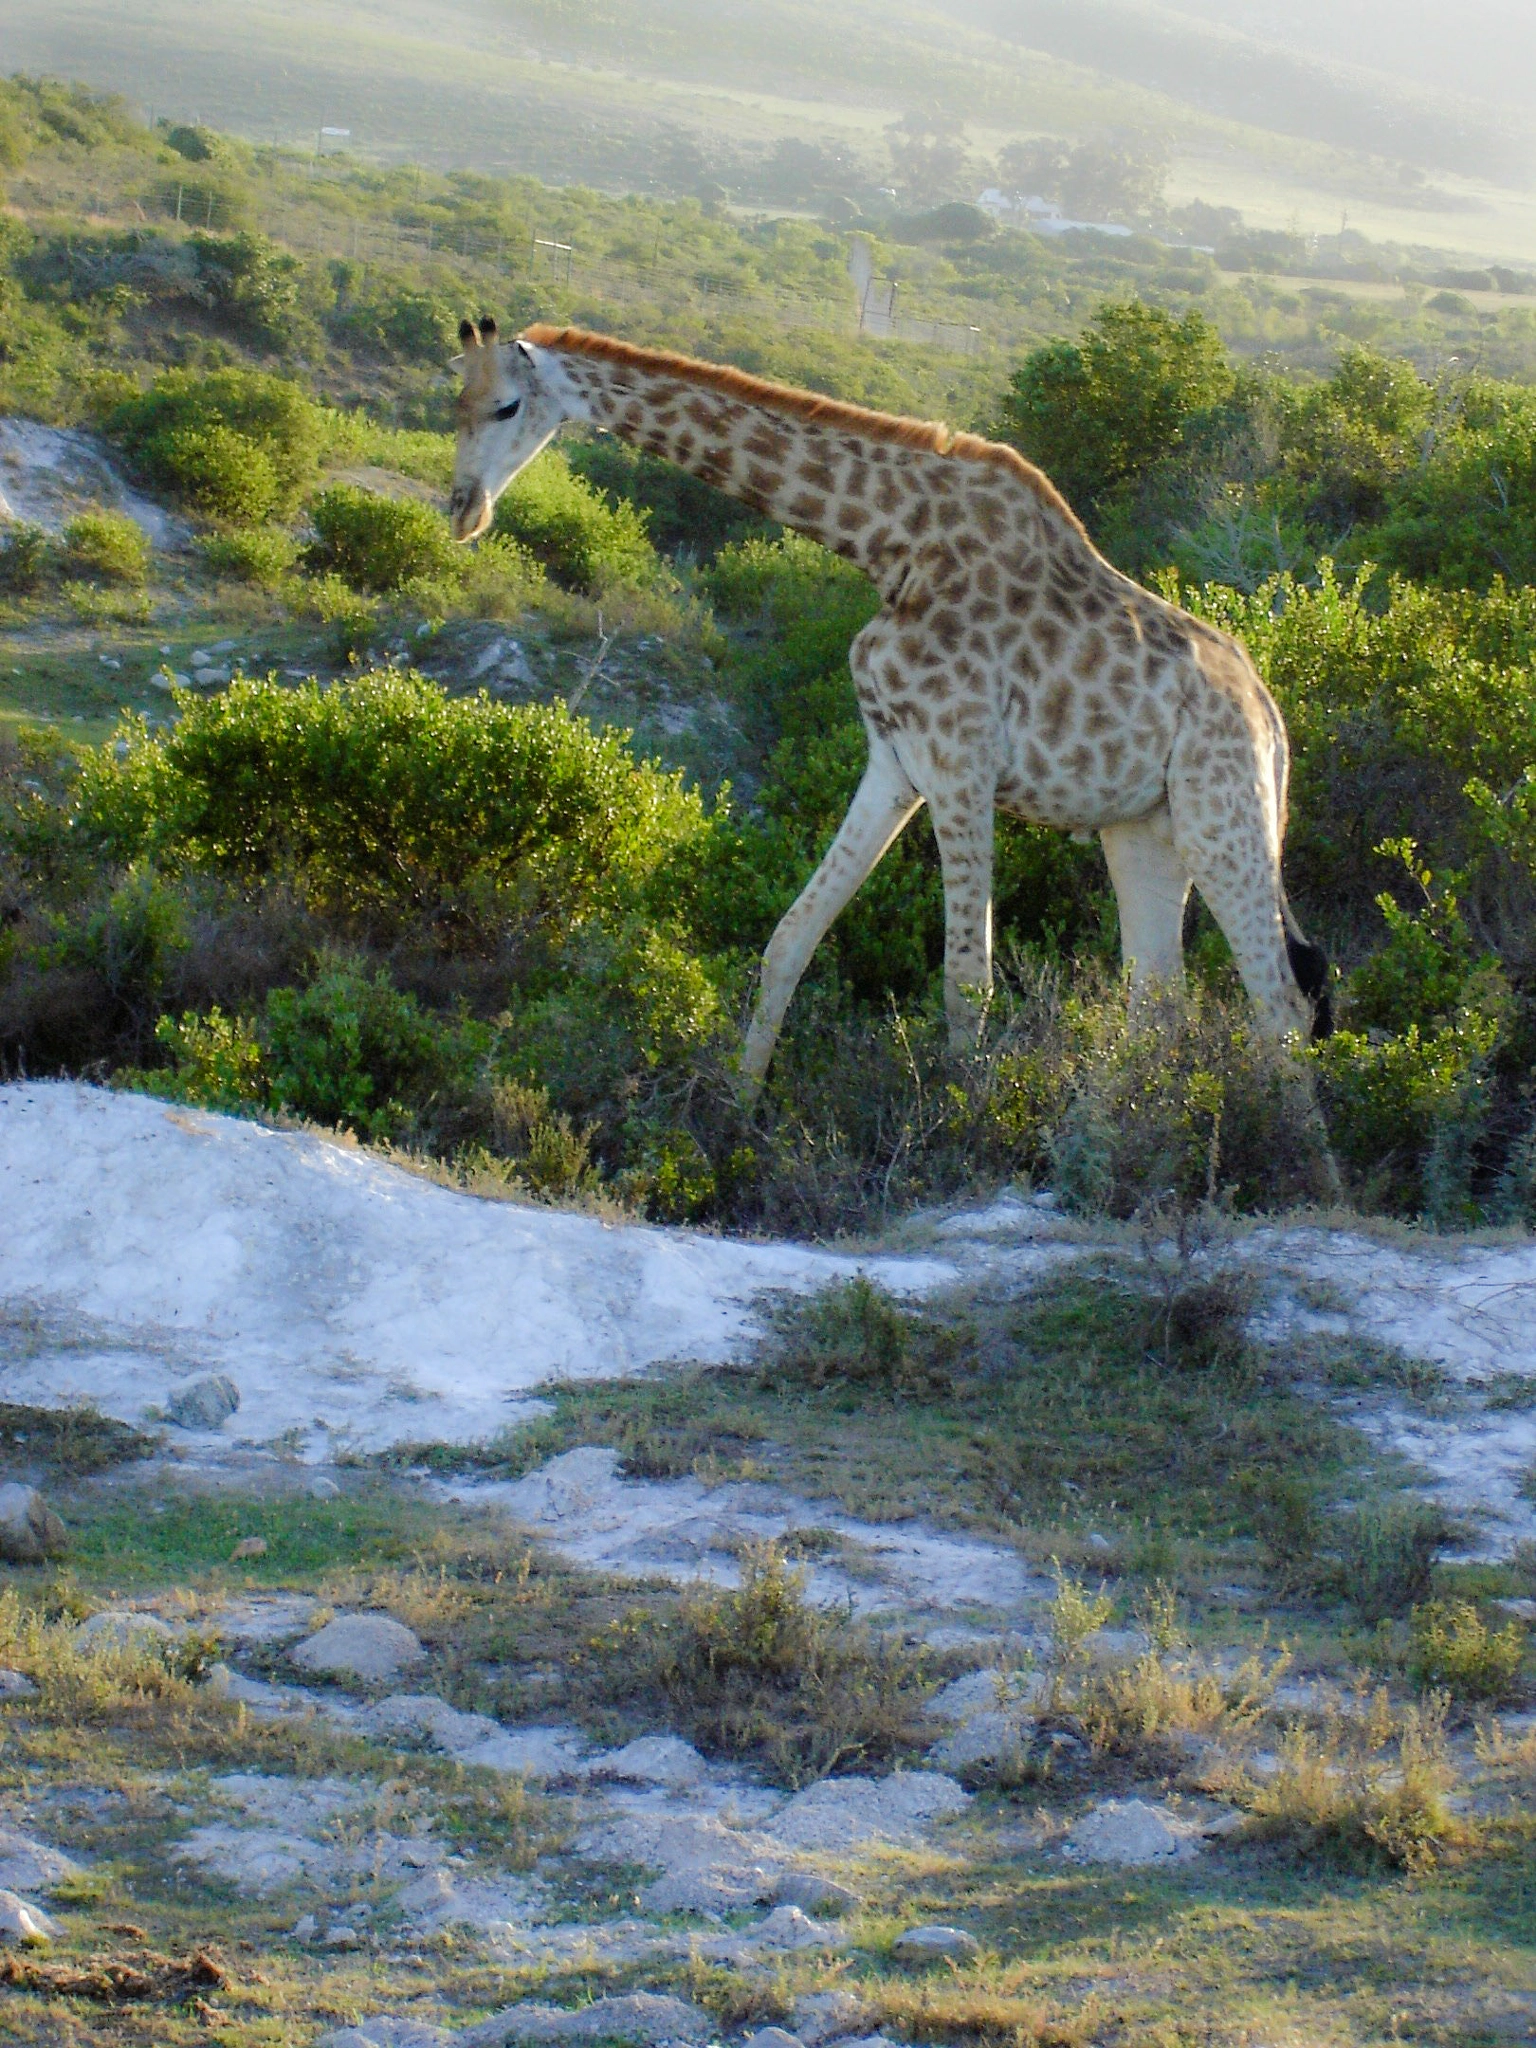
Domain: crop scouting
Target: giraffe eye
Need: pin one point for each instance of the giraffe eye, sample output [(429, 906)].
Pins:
[(510, 410)]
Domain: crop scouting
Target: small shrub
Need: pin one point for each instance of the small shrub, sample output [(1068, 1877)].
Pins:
[(853, 1332), (585, 543), (1452, 1649), (1387, 1555), (217, 1060), (216, 471), (1367, 1788), (760, 1672), (106, 545), (379, 544), (352, 1050), (255, 554), (1141, 1710), (24, 556), (1075, 1614)]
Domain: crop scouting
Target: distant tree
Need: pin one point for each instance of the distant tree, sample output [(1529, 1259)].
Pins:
[(929, 158), (1089, 181), (1096, 414)]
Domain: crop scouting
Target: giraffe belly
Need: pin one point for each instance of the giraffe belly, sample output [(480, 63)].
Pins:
[(1074, 800)]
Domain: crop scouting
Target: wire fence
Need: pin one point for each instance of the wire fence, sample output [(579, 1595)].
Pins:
[(558, 270)]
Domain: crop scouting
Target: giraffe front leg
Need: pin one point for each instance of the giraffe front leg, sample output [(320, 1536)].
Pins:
[(883, 803), (962, 825)]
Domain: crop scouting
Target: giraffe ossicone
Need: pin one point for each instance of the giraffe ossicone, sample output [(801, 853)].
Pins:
[(1010, 667)]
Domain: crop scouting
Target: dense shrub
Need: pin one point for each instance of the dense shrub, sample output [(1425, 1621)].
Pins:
[(384, 796), (24, 556), (379, 543), (108, 545), (194, 436), (259, 555), (584, 541)]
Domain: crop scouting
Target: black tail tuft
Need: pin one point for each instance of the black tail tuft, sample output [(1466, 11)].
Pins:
[(1309, 964)]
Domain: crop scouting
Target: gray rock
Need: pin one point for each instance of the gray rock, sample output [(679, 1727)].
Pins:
[(787, 1928), (116, 1628), (360, 1646), (652, 1760), (934, 1944), (988, 1738), (28, 1866), (646, 2017), (204, 1404), (1130, 1831), (826, 2016), (29, 1529), (772, 2037), (21, 1921), (816, 1894), (840, 1813), (15, 1685), (386, 2033)]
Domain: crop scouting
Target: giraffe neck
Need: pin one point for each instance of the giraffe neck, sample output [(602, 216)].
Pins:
[(823, 478)]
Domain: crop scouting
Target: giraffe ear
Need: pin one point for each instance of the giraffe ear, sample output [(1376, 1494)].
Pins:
[(487, 329), (468, 334)]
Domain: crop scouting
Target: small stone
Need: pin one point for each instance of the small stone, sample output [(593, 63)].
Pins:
[(249, 1546), (306, 1927), (21, 1921), (786, 1927), (772, 2037), (934, 1944), (15, 1685), (1128, 1831), (652, 1760), (814, 1894), (321, 1488), (343, 1937), (29, 1529), (646, 2017), (826, 2016), (360, 1646), (204, 1404), (983, 1739), (116, 1628), (382, 2032)]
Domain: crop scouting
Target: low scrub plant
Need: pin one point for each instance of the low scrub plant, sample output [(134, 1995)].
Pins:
[(855, 1334), (1387, 1555), (236, 444), (1451, 1649), (107, 546), (262, 555), (379, 544), (586, 542), (760, 1672), (1371, 1786), (24, 558)]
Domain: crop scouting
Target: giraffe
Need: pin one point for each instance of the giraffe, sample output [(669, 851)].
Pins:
[(1010, 666)]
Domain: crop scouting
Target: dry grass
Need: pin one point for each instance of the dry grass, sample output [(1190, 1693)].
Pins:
[(1371, 1786), (976, 2015)]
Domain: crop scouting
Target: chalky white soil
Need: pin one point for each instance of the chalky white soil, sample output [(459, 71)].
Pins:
[(357, 1306), (349, 1301)]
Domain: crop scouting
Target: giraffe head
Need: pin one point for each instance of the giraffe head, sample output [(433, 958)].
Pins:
[(509, 407)]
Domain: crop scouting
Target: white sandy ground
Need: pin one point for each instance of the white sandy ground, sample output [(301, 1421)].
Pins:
[(357, 1306), (48, 474), (348, 1300)]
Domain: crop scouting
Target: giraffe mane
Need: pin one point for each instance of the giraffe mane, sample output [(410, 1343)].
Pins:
[(931, 436)]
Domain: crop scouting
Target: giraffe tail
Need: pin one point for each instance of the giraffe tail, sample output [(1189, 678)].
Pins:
[(1309, 964)]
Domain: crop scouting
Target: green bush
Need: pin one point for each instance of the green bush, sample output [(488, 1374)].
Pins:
[(384, 797), (255, 554), (106, 545), (379, 543), (1387, 1555), (1452, 1649), (215, 471), (24, 557), (854, 1332), (190, 434), (586, 543)]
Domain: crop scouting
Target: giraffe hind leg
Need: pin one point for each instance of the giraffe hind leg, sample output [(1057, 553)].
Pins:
[(1151, 884)]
